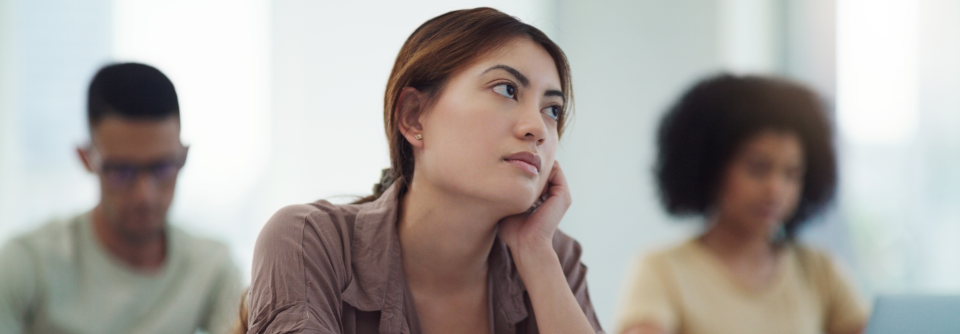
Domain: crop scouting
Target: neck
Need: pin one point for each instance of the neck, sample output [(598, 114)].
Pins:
[(445, 239), (146, 254), (734, 243)]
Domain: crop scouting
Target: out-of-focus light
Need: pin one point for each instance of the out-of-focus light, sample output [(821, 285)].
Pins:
[(877, 70)]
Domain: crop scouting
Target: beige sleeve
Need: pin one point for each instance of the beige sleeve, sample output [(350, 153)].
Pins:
[(647, 298), (846, 310)]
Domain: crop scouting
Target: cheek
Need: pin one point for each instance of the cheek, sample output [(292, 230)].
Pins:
[(112, 198), (792, 192), (166, 194), (460, 144), (465, 135), (740, 189)]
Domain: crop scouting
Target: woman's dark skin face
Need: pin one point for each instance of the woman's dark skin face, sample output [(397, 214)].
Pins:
[(762, 184)]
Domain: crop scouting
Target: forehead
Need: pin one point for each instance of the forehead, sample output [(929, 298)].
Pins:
[(137, 140), (779, 144)]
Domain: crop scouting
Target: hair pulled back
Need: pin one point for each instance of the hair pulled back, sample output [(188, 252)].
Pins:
[(435, 51)]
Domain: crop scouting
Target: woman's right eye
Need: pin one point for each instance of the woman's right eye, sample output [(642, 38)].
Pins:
[(507, 90)]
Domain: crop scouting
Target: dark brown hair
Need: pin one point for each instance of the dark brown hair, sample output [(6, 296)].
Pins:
[(131, 90), (701, 133), (434, 52)]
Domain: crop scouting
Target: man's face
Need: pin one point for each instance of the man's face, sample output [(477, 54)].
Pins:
[(137, 162)]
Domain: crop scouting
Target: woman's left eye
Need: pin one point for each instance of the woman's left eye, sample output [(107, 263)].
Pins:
[(552, 111), (507, 90)]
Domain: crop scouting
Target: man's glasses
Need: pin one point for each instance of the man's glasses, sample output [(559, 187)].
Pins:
[(120, 175)]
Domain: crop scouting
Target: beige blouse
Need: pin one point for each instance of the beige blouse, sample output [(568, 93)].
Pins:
[(686, 289), (324, 268)]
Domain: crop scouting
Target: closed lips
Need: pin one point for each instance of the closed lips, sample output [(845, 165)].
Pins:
[(525, 158)]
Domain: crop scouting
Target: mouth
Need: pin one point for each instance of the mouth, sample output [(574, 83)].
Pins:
[(527, 161), (767, 211)]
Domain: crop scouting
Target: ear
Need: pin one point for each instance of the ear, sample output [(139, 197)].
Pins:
[(409, 108), (83, 158)]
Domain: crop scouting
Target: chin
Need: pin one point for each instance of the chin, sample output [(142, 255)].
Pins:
[(511, 197), (772, 226), (755, 224), (143, 228), (520, 200), (145, 233)]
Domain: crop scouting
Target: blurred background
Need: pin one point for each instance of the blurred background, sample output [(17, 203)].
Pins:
[(281, 103)]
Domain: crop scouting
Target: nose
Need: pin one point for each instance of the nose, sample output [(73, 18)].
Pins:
[(531, 126), (145, 188)]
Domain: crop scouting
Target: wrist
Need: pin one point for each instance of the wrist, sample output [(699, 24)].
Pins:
[(534, 256)]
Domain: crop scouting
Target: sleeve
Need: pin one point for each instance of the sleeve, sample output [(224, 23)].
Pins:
[(298, 274), (569, 251), (17, 288), (646, 298), (846, 310), (225, 299)]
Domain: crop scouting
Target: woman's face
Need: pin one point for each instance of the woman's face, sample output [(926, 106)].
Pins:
[(763, 182), (492, 134)]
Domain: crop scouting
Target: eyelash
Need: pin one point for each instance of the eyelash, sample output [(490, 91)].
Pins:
[(512, 91), (558, 113), (507, 90)]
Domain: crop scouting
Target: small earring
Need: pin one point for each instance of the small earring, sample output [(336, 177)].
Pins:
[(418, 136)]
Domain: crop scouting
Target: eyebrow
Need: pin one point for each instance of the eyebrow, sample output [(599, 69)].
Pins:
[(557, 93), (524, 81), (520, 77)]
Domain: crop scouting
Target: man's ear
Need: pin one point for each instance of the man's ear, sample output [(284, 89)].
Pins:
[(409, 108), (83, 158)]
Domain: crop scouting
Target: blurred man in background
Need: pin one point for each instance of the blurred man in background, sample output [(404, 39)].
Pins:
[(121, 268)]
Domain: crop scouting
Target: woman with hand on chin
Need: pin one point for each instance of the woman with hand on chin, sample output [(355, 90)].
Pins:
[(452, 241), (754, 157)]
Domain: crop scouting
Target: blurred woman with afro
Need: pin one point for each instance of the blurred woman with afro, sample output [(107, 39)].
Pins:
[(753, 156)]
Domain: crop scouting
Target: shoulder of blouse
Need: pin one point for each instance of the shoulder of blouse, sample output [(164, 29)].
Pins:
[(321, 229)]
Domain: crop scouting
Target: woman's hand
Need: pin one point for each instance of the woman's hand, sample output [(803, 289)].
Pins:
[(533, 231), (530, 238)]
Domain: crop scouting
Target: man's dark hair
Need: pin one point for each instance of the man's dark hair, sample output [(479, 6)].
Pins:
[(700, 134), (133, 91)]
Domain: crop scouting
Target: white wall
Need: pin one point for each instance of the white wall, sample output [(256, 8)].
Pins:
[(50, 49), (8, 132)]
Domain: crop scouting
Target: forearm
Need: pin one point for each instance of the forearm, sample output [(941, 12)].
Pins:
[(557, 310)]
